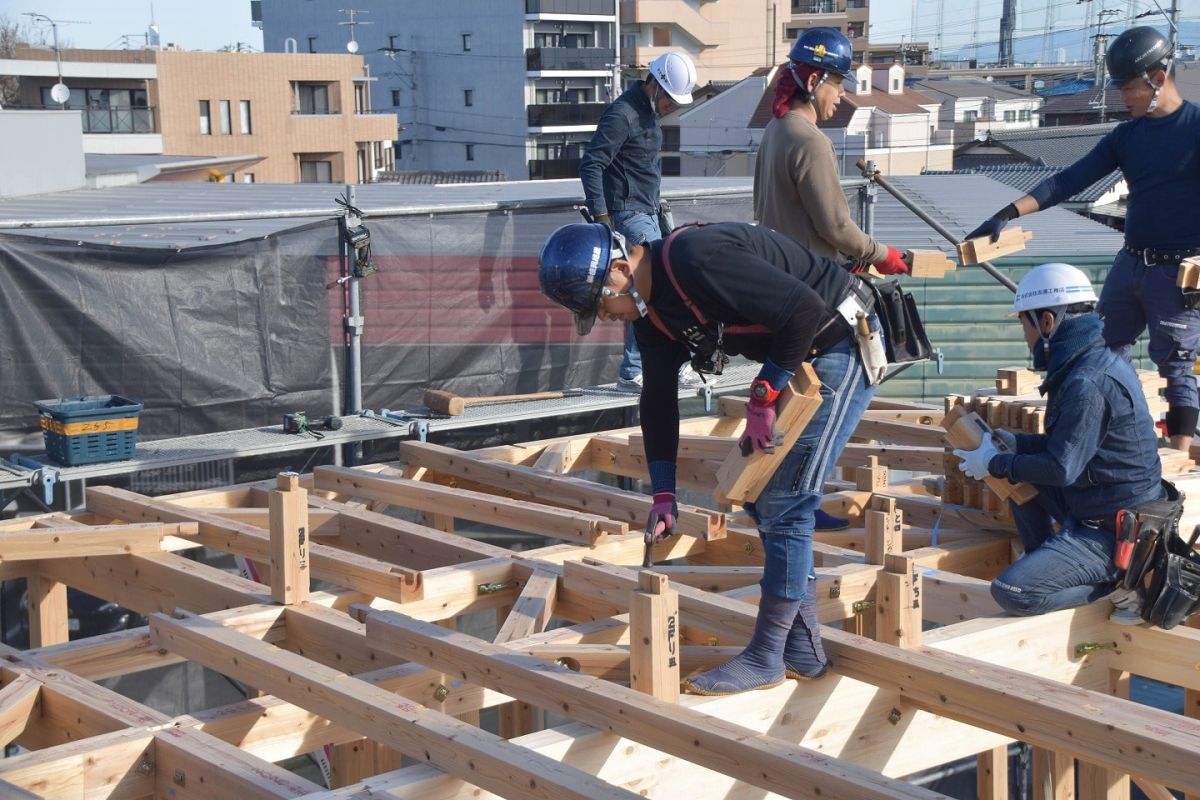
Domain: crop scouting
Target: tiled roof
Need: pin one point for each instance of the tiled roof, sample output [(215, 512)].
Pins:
[(1026, 176), (909, 102), (1051, 147)]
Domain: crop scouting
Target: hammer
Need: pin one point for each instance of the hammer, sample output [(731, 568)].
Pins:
[(454, 405)]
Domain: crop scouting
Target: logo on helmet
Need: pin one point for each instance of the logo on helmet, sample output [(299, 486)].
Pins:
[(594, 265), (819, 51)]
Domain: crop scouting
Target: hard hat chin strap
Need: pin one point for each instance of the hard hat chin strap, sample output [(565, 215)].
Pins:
[(1166, 66)]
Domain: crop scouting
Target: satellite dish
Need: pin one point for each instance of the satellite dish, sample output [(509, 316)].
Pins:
[(59, 93), (352, 46)]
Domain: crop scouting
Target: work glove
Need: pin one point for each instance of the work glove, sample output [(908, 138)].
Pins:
[(660, 524), (760, 419), (1008, 439), (894, 264), (992, 226), (975, 462)]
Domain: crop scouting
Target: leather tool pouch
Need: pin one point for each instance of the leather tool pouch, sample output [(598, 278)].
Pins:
[(903, 332)]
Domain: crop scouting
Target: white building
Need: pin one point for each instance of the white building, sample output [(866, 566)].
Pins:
[(973, 107)]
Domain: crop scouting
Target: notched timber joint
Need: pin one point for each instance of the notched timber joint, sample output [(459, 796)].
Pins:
[(1083, 648)]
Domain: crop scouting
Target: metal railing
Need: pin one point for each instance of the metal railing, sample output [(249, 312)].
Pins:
[(542, 58), (547, 114), (599, 7), (116, 120)]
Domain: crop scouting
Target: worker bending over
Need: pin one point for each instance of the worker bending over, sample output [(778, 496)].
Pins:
[(704, 293)]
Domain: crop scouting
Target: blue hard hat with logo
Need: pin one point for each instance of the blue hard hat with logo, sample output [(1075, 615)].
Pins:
[(823, 48), (573, 268)]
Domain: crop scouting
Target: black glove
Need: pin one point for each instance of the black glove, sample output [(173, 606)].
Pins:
[(995, 223)]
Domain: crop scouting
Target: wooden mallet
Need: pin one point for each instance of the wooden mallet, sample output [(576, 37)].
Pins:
[(453, 405)]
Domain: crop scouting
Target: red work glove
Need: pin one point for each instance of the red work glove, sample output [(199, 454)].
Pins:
[(661, 522), (893, 264), (760, 419)]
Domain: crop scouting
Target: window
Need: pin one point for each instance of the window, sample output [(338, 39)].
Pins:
[(316, 172), (247, 177), (395, 98), (470, 152), (1010, 116), (660, 37), (1023, 115), (466, 37), (862, 87), (629, 41), (970, 116), (244, 106), (312, 98), (205, 119), (895, 84), (312, 44), (468, 97), (225, 124)]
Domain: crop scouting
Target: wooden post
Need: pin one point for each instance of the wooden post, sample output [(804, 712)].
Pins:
[(885, 528), (872, 477), (991, 771), (898, 593), (654, 637), (288, 505), (48, 614), (1053, 775)]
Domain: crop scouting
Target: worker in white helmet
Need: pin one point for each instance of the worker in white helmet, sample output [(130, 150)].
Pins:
[(621, 172), (1099, 454)]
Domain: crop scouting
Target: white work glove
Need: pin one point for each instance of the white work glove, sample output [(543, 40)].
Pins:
[(1008, 439), (975, 462)]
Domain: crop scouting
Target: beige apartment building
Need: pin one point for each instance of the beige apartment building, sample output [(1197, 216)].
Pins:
[(729, 39), (273, 117)]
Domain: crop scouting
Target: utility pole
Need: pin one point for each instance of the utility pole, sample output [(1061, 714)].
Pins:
[(1008, 23), (1174, 20), (1100, 49)]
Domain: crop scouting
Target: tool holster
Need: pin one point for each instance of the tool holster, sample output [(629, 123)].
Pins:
[(1163, 565)]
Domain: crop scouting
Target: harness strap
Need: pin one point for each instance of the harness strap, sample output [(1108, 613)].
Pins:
[(687, 301)]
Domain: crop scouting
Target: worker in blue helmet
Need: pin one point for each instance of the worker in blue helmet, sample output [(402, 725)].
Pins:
[(705, 293)]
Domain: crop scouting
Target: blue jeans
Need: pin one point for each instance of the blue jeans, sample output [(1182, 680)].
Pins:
[(1070, 568), (638, 228), (785, 510), (1134, 296)]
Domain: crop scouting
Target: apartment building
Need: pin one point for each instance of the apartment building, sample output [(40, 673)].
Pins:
[(510, 85), (974, 108), (275, 118), (729, 39)]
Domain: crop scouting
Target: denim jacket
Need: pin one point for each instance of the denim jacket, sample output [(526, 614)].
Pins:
[(1100, 445), (621, 168)]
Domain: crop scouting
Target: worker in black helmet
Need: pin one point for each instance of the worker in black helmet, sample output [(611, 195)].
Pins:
[(1158, 151)]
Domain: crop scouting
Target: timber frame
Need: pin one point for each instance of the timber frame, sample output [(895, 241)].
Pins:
[(583, 650)]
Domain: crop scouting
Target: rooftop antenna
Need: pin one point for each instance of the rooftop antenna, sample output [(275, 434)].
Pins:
[(152, 37), (352, 45), (59, 92)]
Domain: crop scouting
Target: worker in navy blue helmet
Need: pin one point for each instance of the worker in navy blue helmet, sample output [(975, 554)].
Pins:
[(1158, 153), (705, 293)]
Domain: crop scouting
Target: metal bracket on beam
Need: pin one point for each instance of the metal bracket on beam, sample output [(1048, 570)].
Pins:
[(42, 474)]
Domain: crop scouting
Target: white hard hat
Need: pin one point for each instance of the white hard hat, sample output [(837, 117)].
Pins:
[(676, 74), (1050, 286)]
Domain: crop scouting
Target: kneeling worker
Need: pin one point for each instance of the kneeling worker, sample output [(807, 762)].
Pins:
[(1099, 454), (738, 289)]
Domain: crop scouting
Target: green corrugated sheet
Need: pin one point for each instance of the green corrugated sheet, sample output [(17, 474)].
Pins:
[(965, 315)]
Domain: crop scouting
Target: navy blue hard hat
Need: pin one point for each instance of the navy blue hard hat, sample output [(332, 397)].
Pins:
[(823, 48), (573, 268), (1136, 52)]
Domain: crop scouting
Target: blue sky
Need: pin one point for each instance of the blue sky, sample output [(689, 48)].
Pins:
[(212, 24)]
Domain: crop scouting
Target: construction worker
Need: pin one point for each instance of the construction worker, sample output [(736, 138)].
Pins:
[(797, 185), (1158, 152), (621, 173), (797, 182), (705, 293), (1099, 454)]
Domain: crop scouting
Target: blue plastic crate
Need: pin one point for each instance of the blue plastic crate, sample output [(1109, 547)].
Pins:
[(89, 430)]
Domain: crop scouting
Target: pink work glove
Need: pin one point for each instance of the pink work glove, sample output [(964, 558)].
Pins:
[(760, 419), (894, 263), (661, 522)]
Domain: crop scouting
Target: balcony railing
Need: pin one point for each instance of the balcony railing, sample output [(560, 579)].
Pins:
[(814, 7), (117, 120), (565, 114), (544, 58), (599, 7), (547, 169)]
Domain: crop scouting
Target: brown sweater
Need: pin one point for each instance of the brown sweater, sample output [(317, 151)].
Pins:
[(797, 191)]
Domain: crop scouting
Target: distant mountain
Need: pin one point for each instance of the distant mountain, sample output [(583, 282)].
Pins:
[(1076, 44)]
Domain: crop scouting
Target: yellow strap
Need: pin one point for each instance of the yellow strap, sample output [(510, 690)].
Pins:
[(94, 426)]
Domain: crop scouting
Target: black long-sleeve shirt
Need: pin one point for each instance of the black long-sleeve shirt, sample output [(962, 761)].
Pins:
[(736, 274)]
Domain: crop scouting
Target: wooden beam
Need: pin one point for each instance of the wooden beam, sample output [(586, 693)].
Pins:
[(1011, 240), (18, 702), (118, 764), (629, 507), (105, 540), (49, 618), (762, 761), (485, 760), (898, 600), (533, 609), (991, 770), (654, 638), (192, 764)]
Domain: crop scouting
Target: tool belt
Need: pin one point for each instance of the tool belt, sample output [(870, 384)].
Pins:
[(903, 332), (838, 327), (1163, 567), (1151, 256)]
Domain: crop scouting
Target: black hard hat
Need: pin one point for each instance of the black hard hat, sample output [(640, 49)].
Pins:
[(1137, 51)]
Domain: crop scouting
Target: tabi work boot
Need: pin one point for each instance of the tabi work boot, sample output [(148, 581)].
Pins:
[(828, 522), (803, 656), (760, 665)]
